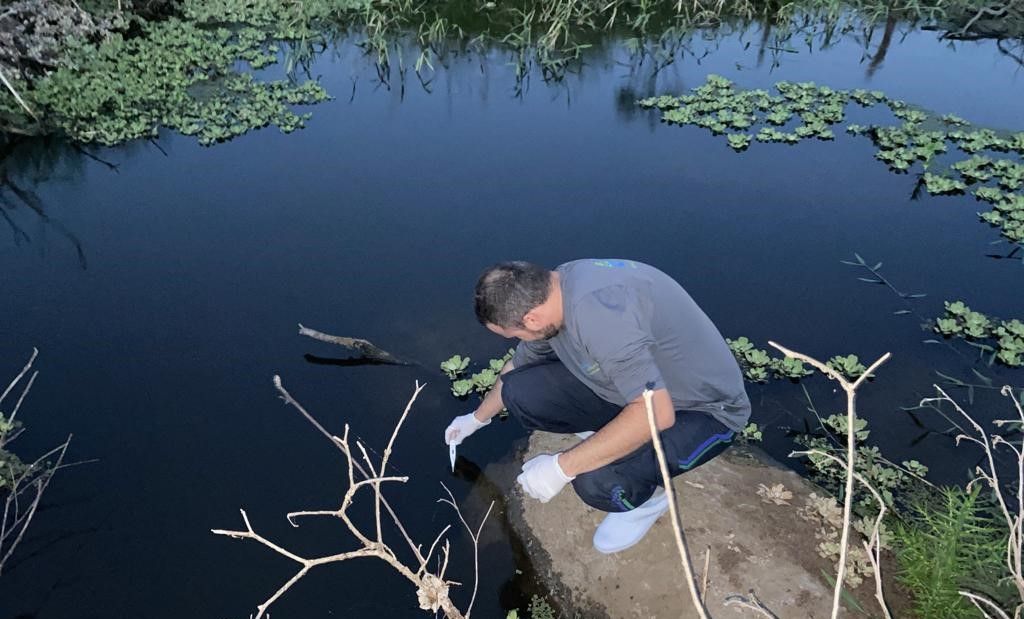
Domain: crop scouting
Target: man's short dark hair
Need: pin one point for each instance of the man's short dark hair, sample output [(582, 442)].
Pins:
[(507, 291)]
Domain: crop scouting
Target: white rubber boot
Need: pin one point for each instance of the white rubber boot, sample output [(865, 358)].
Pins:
[(620, 530)]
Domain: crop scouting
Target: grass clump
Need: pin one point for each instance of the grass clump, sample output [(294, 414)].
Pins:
[(950, 541)]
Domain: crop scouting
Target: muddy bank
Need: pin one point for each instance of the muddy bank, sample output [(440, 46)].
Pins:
[(755, 544)]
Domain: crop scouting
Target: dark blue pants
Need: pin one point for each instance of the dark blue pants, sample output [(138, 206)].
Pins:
[(546, 396)]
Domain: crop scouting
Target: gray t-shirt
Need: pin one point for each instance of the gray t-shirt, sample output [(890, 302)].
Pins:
[(628, 324)]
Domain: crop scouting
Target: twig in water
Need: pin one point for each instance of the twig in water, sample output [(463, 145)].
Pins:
[(366, 348), (878, 278)]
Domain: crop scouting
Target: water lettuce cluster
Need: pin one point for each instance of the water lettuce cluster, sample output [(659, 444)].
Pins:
[(801, 111), (192, 74), (1003, 339), (480, 382), (724, 109), (758, 366)]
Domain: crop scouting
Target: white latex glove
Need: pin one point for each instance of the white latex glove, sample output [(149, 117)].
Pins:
[(461, 427), (542, 477)]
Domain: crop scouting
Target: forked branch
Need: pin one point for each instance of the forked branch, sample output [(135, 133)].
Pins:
[(851, 455), (432, 587)]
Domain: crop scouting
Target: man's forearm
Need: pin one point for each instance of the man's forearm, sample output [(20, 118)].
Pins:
[(621, 436), (492, 404)]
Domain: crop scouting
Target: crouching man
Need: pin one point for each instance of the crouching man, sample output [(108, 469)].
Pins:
[(594, 334)]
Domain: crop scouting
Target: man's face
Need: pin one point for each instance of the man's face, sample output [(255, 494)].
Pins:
[(524, 333)]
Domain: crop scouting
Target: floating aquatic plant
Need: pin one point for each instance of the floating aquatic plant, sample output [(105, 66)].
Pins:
[(1003, 340), (867, 98), (976, 169), (721, 108), (892, 480), (938, 184), (462, 388), (455, 366), (787, 367), (752, 433), (191, 74), (770, 134), (739, 141), (849, 365), (979, 140), (805, 110), (754, 362), (484, 380), (758, 366), (1007, 213), (480, 382)]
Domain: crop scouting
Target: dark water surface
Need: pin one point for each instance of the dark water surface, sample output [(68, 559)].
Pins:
[(158, 343)]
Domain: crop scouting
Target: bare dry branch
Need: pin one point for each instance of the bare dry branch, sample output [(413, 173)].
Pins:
[(24, 370), (677, 525), (15, 520), (431, 588), (873, 545), (851, 453), (980, 602), (476, 541), (353, 466), (21, 398)]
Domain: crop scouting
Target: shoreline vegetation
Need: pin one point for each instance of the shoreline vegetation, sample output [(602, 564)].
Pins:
[(106, 72)]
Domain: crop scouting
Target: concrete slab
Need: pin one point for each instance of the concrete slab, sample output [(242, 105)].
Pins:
[(754, 545)]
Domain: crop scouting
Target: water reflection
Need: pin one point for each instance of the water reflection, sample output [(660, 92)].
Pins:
[(24, 165), (883, 48)]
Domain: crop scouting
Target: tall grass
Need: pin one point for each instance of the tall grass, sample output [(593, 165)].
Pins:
[(951, 542)]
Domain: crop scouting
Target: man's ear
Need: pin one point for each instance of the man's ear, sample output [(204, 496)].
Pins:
[(531, 320)]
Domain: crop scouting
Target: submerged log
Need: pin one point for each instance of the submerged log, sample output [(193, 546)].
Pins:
[(366, 349)]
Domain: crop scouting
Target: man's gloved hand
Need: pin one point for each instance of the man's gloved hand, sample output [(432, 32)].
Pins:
[(461, 427), (542, 477)]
